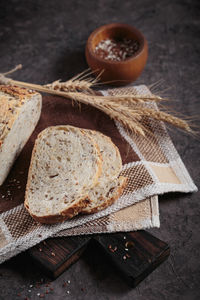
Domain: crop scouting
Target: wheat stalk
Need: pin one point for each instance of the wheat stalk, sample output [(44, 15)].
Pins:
[(166, 117), (127, 109), (79, 83)]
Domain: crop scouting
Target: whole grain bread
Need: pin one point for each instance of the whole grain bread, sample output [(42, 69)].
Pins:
[(65, 165), (110, 185), (20, 111), (105, 195)]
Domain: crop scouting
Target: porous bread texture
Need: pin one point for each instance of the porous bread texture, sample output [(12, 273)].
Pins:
[(20, 111), (110, 187), (111, 158), (65, 164), (105, 195)]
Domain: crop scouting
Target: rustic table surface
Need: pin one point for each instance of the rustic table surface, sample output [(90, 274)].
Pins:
[(48, 38)]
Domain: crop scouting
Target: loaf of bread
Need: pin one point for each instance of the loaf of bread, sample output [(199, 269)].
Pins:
[(65, 164), (109, 186), (20, 111)]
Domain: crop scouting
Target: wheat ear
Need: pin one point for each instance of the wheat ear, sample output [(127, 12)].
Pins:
[(127, 109)]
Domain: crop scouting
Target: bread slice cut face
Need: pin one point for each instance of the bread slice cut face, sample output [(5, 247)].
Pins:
[(20, 111), (110, 186), (65, 164)]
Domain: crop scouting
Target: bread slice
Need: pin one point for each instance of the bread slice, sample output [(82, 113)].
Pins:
[(20, 111), (110, 186), (105, 195), (111, 158), (65, 164)]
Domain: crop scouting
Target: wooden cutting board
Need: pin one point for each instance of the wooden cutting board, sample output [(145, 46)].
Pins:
[(135, 254)]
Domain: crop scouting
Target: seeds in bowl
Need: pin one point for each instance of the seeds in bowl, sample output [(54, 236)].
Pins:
[(116, 50)]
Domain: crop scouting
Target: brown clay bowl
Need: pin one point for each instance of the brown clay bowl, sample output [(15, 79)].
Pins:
[(117, 72)]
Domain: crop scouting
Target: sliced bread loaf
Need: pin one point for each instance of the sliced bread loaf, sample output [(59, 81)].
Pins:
[(20, 111), (109, 187), (65, 164)]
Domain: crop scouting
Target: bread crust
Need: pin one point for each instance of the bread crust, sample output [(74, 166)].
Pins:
[(7, 117), (19, 92), (19, 113), (74, 209), (64, 215), (109, 201), (77, 208)]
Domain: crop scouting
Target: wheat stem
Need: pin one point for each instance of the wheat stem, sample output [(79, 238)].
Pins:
[(127, 109)]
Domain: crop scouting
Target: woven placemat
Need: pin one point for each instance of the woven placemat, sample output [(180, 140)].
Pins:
[(152, 166)]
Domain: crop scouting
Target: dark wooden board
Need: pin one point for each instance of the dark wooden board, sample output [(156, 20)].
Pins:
[(55, 255), (134, 254)]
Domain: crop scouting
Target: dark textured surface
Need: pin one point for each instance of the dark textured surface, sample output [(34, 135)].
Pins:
[(48, 38)]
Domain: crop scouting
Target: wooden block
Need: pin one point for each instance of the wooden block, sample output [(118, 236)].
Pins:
[(55, 255), (133, 254)]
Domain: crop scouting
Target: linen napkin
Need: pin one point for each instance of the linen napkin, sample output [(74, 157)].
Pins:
[(151, 164)]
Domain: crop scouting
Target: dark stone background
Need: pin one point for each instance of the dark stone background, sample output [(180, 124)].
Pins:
[(48, 38)]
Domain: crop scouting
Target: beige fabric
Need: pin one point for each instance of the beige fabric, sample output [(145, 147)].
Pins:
[(144, 214), (165, 174), (3, 241)]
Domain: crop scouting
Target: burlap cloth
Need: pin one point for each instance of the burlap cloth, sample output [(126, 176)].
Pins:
[(151, 164)]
